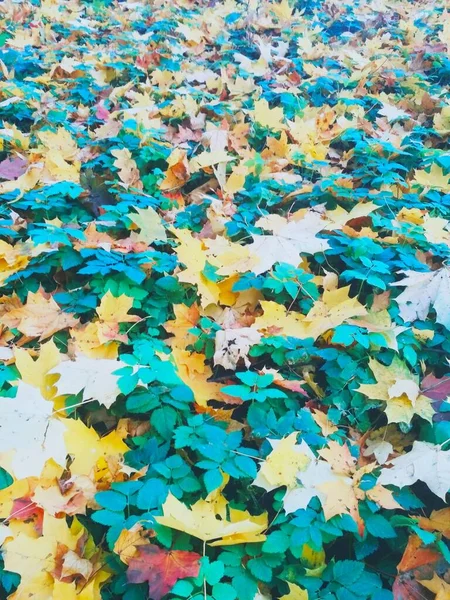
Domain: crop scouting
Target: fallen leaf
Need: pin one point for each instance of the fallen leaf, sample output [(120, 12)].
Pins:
[(161, 569), (201, 521), (425, 462), (30, 433), (423, 291), (39, 317)]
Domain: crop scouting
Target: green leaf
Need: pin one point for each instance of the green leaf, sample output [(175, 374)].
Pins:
[(212, 479), (224, 591), (5, 479), (379, 526), (276, 541), (111, 500), (347, 572), (259, 569), (163, 420)]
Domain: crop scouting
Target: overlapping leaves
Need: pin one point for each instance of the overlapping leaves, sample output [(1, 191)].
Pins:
[(224, 313)]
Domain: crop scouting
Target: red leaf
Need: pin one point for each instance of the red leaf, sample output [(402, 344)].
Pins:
[(162, 568), (24, 509), (438, 389), (434, 388), (12, 168), (407, 588)]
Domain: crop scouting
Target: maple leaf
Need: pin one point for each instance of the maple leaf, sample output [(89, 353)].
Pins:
[(150, 225), (99, 339), (425, 462), (434, 178), (161, 569), (423, 291), (44, 562), (112, 311), (283, 464), (71, 499), (36, 372), (439, 520), (30, 433), (39, 317), (94, 376), (332, 310), (60, 141), (210, 521), (289, 239), (191, 253), (193, 371), (16, 258), (399, 388), (277, 320), (128, 171), (92, 454), (129, 540), (417, 561), (268, 117), (232, 345), (177, 172)]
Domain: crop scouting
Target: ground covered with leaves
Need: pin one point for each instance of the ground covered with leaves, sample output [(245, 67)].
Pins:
[(225, 304)]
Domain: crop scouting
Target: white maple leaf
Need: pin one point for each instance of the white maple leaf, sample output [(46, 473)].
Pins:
[(317, 473), (92, 375), (30, 431), (426, 462), (424, 290), (381, 449), (392, 112), (289, 239), (234, 344)]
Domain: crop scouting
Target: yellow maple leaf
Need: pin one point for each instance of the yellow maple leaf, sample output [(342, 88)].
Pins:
[(87, 341), (282, 465), (129, 540), (334, 308), (150, 224), (186, 317), (230, 258), (193, 371), (399, 388), (212, 521), (88, 448), (16, 258), (18, 489), (61, 142), (82, 591), (99, 339), (434, 178), (268, 117), (112, 311), (39, 317), (339, 499), (35, 372), (192, 254), (277, 320)]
